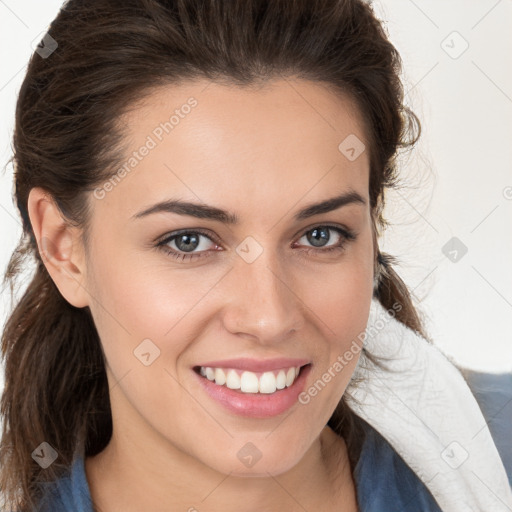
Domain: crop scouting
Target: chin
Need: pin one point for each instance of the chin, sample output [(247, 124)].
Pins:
[(261, 468)]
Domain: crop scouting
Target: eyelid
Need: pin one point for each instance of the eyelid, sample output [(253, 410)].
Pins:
[(343, 227), (161, 240)]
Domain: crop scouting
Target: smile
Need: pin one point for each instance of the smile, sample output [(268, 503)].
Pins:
[(253, 394), (251, 382)]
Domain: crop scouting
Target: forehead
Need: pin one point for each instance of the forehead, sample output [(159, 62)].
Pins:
[(270, 145)]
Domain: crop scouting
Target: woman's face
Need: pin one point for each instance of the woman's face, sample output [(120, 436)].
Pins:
[(274, 284)]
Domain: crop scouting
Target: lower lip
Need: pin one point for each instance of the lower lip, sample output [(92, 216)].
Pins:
[(256, 405)]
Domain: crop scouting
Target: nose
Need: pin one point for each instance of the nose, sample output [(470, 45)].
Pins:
[(264, 302)]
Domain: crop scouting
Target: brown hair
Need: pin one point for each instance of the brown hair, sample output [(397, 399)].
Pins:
[(66, 140)]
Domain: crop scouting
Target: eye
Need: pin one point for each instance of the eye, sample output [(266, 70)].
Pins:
[(186, 241), (319, 235)]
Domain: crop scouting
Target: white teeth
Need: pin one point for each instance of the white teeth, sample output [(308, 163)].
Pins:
[(249, 382), (290, 376), (267, 383), (281, 380), (220, 376), (233, 380)]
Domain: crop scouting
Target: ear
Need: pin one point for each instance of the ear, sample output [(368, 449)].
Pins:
[(60, 247)]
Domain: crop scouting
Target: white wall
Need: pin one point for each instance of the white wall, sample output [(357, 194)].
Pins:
[(464, 169), (458, 182)]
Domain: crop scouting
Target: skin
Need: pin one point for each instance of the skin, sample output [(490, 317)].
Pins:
[(262, 153)]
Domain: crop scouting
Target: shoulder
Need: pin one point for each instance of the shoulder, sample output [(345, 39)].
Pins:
[(493, 392), (384, 482), (70, 492)]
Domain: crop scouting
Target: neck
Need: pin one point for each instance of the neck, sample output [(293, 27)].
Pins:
[(130, 475)]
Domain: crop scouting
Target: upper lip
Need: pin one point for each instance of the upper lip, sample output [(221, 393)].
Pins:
[(256, 365)]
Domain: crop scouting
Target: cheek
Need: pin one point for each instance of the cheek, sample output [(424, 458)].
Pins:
[(340, 299), (134, 294), (341, 313), (340, 294), (150, 313), (130, 304), (142, 322)]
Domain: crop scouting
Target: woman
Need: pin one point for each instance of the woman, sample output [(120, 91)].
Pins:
[(202, 184)]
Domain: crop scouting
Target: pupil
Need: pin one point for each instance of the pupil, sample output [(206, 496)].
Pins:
[(318, 234), (187, 242)]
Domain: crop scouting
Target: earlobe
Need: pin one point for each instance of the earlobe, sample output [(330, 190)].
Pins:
[(59, 247)]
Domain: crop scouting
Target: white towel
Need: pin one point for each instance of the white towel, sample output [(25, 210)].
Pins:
[(427, 412)]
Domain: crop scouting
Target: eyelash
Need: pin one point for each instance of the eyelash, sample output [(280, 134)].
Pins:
[(346, 237)]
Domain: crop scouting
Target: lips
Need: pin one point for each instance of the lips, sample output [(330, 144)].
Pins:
[(255, 405)]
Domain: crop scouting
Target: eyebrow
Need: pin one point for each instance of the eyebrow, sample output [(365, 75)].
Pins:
[(202, 211)]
